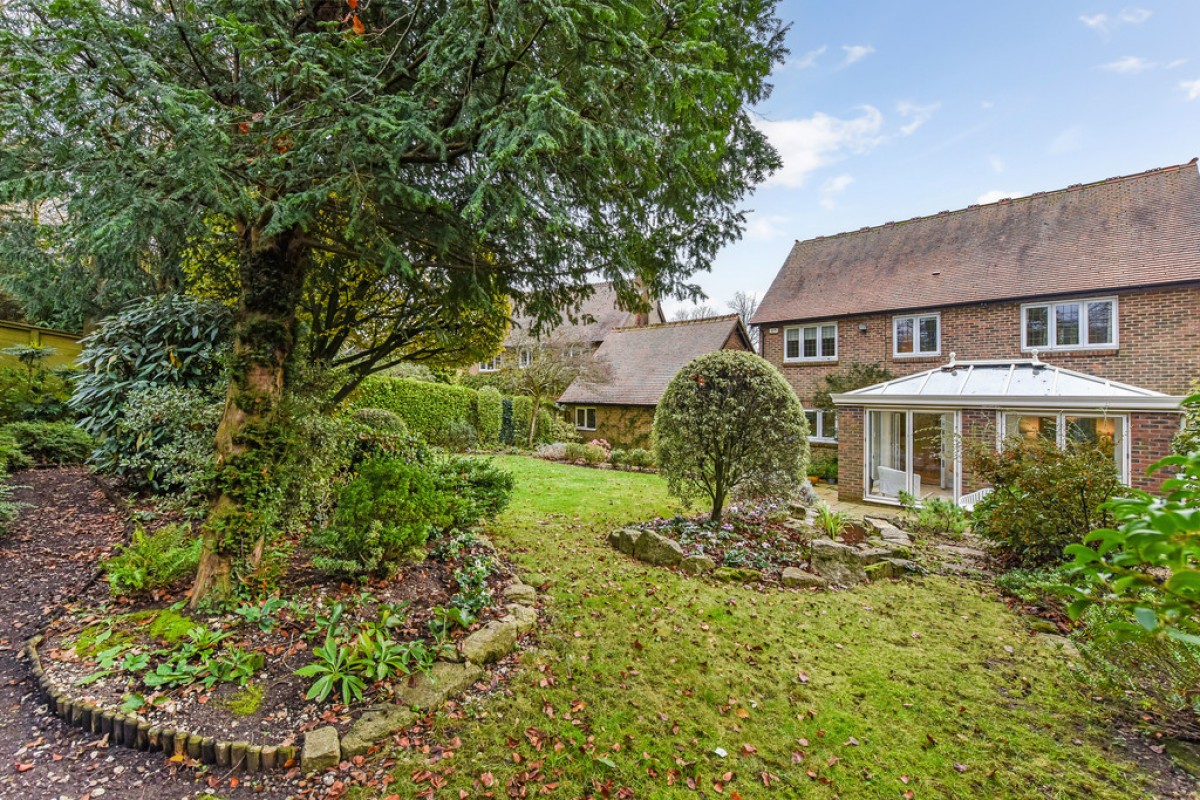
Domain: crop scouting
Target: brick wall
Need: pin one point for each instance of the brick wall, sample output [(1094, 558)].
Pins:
[(850, 453), (626, 427), (1149, 441), (1158, 343)]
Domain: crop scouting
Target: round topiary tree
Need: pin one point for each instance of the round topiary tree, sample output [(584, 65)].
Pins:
[(730, 421)]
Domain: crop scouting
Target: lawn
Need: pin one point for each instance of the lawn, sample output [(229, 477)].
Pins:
[(653, 683)]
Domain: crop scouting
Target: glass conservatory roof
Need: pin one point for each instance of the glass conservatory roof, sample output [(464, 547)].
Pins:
[(1008, 384)]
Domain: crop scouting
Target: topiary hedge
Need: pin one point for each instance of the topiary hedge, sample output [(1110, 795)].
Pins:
[(489, 409), (427, 408)]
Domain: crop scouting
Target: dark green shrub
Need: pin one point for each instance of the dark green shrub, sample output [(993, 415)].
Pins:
[(489, 409), (473, 594), (154, 560), (1044, 586), (424, 406), (381, 519), (475, 488), (730, 421), (456, 435), (522, 410), (934, 516), (169, 431), (51, 442), (39, 395), (379, 419), (12, 457), (1043, 497), (506, 421), (166, 341), (618, 458), (575, 451)]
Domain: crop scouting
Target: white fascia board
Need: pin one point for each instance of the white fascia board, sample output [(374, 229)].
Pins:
[(1064, 403)]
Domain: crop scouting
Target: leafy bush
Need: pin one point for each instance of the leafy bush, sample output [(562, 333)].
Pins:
[(506, 421), (381, 518), (154, 560), (489, 410), (165, 341), (39, 394), (553, 427), (603, 445), (424, 406), (170, 431), (1187, 441), (475, 489), (1043, 497), (618, 457), (934, 515), (12, 457), (825, 466), (588, 453), (51, 442), (730, 420), (829, 523), (640, 458), (473, 595), (1044, 586), (456, 435), (379, 419), (522, 410)]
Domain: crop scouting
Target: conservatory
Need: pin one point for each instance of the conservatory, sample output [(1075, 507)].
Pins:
[(905, 435)]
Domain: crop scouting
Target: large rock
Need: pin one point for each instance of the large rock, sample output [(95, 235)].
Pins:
[(322, 750), (654, 548), (794, 578), (445, 679), (890, 568), (885, 530), (491, 643), (520, 593), (375, 725), (697, 565), (626, 539), (736, 575), (524, 617), (840, 563)]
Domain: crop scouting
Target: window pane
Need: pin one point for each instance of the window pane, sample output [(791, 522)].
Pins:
[(1031, 427), (591, 416), (888, 456), (810, 342), (579, 418), (828, 341), (791, 347), (813, 430), (929, 334), (904, 335), (1037, 326), (1066, 324), (829, 424), (1099, 322)]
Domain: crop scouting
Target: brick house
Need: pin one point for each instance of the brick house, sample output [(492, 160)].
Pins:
[(1065, 314), (597, 316), (638, 363)]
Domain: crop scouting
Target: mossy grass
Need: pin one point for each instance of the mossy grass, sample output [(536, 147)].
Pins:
[(165, 626), (245, 701), (931, 685)]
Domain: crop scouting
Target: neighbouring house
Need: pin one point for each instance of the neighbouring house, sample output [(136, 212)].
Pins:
[(638, 363), (597, 316), (1070, 314)]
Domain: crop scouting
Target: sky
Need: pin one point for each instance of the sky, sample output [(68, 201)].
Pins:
[(888, 110)]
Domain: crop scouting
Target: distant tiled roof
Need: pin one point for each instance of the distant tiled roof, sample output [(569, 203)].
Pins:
[(598, 315), (640, 362), (1132, 231)]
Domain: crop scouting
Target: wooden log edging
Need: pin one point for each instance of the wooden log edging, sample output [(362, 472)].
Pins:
[(135, 733)]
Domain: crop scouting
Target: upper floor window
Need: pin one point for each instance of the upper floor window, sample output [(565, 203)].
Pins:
[(491, 365), (1070, 325), (917, 335), (810, 342), (822, 425)]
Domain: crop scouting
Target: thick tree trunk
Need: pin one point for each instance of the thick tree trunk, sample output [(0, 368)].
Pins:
[(272, 276)]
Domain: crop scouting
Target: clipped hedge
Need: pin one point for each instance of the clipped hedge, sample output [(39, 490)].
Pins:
[(427, 408), (522, 410), (489, 409)]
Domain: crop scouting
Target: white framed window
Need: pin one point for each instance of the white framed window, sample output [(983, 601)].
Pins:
[(917, 335), (810, 342), (524, 357), (585, 419), (822, 426), (1070, 325), (491, 365), (1106, 431)]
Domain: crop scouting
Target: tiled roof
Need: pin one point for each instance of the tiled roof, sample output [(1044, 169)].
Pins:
[(1125, 232), (640, 362), (597, 315)]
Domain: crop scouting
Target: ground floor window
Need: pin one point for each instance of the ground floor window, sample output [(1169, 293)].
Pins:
[(822, 425), (490, 365), (585, 419), (912, 452), (1104, 431)]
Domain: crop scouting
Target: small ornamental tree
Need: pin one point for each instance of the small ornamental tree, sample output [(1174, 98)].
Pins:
[(729, 421)]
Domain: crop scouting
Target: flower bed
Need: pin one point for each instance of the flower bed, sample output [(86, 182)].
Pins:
[(758, 535)]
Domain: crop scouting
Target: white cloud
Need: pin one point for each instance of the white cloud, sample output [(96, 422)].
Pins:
[(1066, 141), (915, 114), (806, 145), (996, 164), (766, 227), (809, 59), (832, 188), (1179, 62), (856, 52), (1129, 65), (996, 194), (1103, 23), (986, 104), (1192, 88)]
